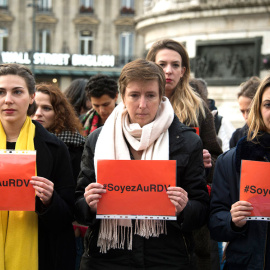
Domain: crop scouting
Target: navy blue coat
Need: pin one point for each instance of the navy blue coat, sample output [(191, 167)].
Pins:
[(248, 246)]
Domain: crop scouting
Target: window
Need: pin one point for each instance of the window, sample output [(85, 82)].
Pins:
[(86, 42), (44, 5), (126, 47), (86, 6), (127, 7), (3, 39), (44, 41), (3, 4)]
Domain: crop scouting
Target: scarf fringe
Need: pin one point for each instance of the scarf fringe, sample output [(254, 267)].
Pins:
[(150, 228), (113, 236)]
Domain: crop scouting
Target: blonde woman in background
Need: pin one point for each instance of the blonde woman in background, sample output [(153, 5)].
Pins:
[(248, 241), (193, 112)]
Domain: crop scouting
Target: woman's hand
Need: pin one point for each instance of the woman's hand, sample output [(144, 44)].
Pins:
[(92, 195), (239, 211), (178, 197), (207, 159), (43, 188)]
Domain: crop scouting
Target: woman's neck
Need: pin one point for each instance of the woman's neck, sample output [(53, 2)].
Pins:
[(136, 154), (12, 131)]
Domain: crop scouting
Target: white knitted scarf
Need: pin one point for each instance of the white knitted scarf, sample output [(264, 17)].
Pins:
[(153, 140)]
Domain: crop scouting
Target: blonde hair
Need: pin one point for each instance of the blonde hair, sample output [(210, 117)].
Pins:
[(255, 119), (186, 103)]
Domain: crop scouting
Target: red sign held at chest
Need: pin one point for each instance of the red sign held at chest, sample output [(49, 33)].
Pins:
[(255, 187), (136, 188), (16, 192)]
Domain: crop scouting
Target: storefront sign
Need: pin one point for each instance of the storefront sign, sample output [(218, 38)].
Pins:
[(58, 59)]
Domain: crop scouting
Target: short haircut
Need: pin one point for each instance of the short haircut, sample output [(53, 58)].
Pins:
[(141, 70), (100, 85)]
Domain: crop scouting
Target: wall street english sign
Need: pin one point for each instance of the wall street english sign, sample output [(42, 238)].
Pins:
[(58, 59)]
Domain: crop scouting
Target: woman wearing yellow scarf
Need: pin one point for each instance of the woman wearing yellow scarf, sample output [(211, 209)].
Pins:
[(43, 239)]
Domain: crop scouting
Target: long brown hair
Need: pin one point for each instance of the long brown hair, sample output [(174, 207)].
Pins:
[(185, 102), (65, 116), (255, 119)]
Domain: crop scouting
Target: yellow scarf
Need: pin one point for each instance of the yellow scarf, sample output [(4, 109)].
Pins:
[(19, 229)]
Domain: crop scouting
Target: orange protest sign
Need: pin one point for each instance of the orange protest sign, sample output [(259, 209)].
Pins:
[(16, 192), (136, 188), (197, 130), (255, 187)]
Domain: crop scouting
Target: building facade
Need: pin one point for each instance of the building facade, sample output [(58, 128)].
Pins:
[(66, 39), (228, 41)]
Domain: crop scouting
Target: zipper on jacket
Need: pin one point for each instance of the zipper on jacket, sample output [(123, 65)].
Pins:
[(88, 243), (184, 239)]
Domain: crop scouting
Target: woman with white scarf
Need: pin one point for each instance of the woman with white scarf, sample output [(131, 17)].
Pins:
[(143, 127)]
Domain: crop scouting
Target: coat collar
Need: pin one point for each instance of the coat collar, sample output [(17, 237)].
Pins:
[(176, 136), (257, 149), (42, 133), (44, 157)]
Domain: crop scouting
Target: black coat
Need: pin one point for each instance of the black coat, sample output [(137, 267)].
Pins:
[(238, 134), (248, 247), (56, 241), (171, 251)]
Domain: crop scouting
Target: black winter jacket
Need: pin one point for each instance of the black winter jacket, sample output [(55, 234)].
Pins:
[(249, 246), (56, 241), (171, 251), (237, 135)]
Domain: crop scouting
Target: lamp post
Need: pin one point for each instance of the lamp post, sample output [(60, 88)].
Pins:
[(33, 5)]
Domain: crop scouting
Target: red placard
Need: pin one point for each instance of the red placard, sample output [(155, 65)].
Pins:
[(136, 188), (16, 192), (197, 130), (255, 186)]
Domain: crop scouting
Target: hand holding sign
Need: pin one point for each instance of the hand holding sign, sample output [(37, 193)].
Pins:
[(178, 197), (239, 211), (44, 189), (93, 194)]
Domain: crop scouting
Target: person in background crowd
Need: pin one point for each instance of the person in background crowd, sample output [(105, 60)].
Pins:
[(143, 127), (103, 93), (43, 239), (247, 92), (77, 97), (189, 107), (248, 241), (193, 112), (56, 114), (224, 128)]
